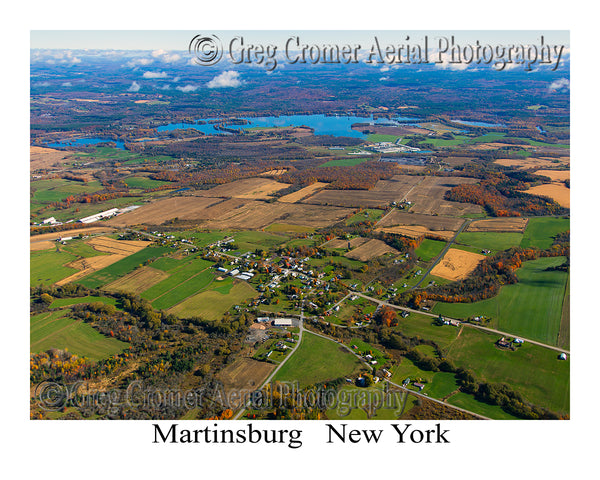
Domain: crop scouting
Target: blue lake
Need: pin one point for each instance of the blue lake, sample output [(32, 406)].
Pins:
[(336, 125), (479, 124), (86, 141)]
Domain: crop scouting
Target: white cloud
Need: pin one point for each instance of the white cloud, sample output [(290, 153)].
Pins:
[(229, 78), (67, 84), (158, 53), (383, 79), (559, 85), (384, 69), (155, 75), (165, 56), (139, 61), (134, 87), (41, 84), (188, 88)]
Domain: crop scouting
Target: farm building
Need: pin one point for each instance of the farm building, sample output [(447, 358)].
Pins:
[(562, 356), (49, 221), (99, 216), (282, 322), (420, 386)]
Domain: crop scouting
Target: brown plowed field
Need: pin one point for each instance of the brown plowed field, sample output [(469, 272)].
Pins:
[(139, 280), (256, 187), (457, 264), (428, 197), (371, 249), (340, 243), (185, 208), (541, 162), (70, 233), (352, 198), (418, 231), (245, 373), (512, 224), (118, 247), (431, 222), (303, 193)]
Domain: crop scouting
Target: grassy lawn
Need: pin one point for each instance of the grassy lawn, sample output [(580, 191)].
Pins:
[(371, 214), (64, 302), (212, 304), (531, 308), (345, 162), (318, 360), (539, 231), (495, 241), (532, 370), (469, 402), (422, 326), (429, 249), (143, 182), (122, 267), (47, 267), (57, 330)]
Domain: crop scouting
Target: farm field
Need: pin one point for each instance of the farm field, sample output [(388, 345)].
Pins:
[(512, 224), (121, 267), (245, 374), (65, 302), (429, 249), (434, 223), (457, 264), (41, 158), (418, 231), (306, 365), (48, 267), (137, 281), (344, 162), (469, 402), (179, 274), (54, 190), (534, 371), (368, 214), (541, 230), (495, 241), (303, 192), (257, 188), (213, 303), (557, 191), (143, 182), (423, 326), (531, 308), (57, 330), (371, 249)]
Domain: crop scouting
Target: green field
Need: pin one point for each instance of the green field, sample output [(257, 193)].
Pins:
[(80, 248), (531, 308), (249, 241), (64, 302), (47, 267), (183, 290), (371, 214), (469, 402), (423, 326), (57, 330), (143, 182), (345, 162), (212, 304), (429, 249), (285, 228), (351, 402), (382, 137), (540, 230), (180, 275), (495, 241), (122, 267), (318, 360), (532, 370), (57, 189)]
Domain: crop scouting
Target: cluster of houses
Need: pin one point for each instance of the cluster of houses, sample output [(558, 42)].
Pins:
[(505, 343)]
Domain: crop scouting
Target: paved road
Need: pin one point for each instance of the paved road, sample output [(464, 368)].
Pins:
[(274, 372), (400, 386), (443, 252)]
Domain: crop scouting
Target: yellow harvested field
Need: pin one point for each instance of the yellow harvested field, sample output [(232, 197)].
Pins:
[(457, 264), (541, 162), (508, 224), (42, 158), (556, 191), (417, 231), (303, 193), (118, 247), (139, 280), (43, 245), (435, 223), (279, 171), (70, 233), (371, 249), (89, 265), (555, 175), (256, 187)]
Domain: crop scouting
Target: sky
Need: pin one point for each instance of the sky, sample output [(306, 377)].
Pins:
[(180, 39)]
